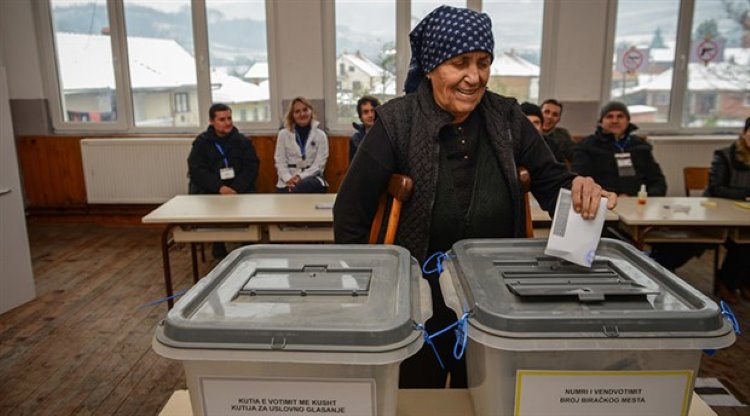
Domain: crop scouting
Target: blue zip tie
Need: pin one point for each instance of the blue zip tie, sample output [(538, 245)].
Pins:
[(438, 256), (158, 301), (461, 337), (428, 340), (726, 311), (462, 334)]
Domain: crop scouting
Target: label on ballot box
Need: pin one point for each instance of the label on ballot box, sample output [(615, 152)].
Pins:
[(594, 393), (277, 397)]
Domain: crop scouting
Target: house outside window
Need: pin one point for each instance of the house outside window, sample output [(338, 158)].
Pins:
[(707, 93), (130, 65)]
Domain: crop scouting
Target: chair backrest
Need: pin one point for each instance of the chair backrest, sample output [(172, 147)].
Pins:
[(398, 191), (696, 178), (524, 179)]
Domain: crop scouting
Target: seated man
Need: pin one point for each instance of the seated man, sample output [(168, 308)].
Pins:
[(366, 112), (534, 114), (551, 113), (621, 162), (222, 161)]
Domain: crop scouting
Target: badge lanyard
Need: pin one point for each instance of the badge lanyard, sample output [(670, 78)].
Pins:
[(625, 142), (301, 145), (223, 154)]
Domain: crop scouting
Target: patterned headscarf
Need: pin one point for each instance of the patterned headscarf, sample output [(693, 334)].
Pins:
[(444, 33)]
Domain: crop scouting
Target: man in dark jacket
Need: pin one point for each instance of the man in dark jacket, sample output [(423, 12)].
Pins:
[(621, 162), (222, 161), (366, 112), (534, 114), (551, 113), (617, 159)]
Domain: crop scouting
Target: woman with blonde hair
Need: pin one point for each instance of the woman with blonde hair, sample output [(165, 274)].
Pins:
[(301, 151)]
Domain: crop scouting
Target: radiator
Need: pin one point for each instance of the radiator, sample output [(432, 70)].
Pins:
[(676, 152), (135, 171)]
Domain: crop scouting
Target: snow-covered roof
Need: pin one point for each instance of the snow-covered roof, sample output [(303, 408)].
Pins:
[(511, 64), (722, 76), (661, 55), (230, 89), (258, 70), (641, 109), (86, 62), (740, 56), (363, 63)]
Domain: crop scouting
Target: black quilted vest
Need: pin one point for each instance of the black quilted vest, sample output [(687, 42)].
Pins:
[(413, 123)]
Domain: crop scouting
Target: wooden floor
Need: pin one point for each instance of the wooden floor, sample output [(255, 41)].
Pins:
[(83, 345)]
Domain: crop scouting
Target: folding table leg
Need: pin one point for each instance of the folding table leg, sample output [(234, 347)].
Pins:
[(194, 259)]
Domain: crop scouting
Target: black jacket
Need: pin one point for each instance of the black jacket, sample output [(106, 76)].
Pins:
[(356, 139), (406, 141), (728, 178), (205, 161), (595, 156)]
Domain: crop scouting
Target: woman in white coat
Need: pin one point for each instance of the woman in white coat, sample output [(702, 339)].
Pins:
[(301, 151)]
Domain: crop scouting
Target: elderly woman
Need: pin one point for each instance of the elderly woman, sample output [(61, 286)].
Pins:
[(729, 177), (301, 151), (461, 145)]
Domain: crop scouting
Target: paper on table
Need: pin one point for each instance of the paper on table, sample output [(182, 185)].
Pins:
[(573, 238)]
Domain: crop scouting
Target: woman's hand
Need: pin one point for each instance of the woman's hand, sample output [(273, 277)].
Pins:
[(586, 195), (291, 183)]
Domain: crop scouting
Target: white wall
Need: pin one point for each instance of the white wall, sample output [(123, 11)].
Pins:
[(299, 39), (18, 36)]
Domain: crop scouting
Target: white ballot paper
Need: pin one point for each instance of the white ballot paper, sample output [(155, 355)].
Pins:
[(573, 238)]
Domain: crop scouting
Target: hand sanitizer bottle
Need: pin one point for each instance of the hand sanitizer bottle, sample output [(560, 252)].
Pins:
[(642, 195)]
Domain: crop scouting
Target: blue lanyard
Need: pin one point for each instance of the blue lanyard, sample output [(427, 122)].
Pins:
[(223, 154), (625, 142), (299, 142)]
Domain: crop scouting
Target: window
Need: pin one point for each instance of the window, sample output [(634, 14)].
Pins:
[(239, 56), (718, 74), (181, 102), (365, 54), (130, 65), (644, 54), (160, 59), (421, 8), (707, 93), (363, 58), (83, 55), (515, 69)]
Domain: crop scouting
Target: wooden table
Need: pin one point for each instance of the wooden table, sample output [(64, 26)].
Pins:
[(694, 220), (201, 212), (681, 219), (413, 402)]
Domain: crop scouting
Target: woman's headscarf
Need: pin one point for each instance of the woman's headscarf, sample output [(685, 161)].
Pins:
[(444, 33)]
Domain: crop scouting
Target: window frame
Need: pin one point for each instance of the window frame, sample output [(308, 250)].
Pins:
[(679, 88), (125, 123), (403, 54)]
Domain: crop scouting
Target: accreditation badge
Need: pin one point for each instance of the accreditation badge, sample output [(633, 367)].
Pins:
[(226, 173), (624, 164)]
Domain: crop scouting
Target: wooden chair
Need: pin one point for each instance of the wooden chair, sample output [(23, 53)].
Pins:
[(524, 179), (389, 209), (696, 178)]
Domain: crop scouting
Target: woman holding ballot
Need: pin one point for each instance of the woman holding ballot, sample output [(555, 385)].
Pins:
[(461, 145)]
